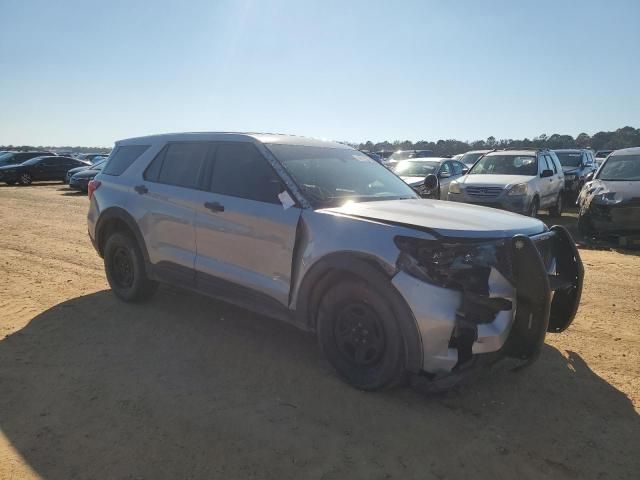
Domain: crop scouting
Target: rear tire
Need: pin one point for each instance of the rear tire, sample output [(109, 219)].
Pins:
[(125, 269), (360, 336), (25, 179), (556, 210)]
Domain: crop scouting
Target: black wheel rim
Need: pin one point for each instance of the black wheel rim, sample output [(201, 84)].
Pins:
[(122, 267), (359, 334)]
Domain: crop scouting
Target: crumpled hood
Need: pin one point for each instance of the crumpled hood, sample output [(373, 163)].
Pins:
[(493, 180), (624, 190), (449, 219)]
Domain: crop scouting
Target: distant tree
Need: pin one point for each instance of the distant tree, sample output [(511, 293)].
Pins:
[(583, 140), (491, 142)]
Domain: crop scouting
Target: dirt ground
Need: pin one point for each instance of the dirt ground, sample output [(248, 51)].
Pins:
[(188, 388)]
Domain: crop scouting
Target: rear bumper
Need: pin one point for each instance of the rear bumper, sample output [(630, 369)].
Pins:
[(540, 293)]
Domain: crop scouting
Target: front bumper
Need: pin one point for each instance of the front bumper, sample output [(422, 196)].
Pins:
[(541, 293), (8, 177), (515, 203), (618, 223), (79, 184)]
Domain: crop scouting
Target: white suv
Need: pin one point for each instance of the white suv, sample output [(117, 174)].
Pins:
[(521, 181)]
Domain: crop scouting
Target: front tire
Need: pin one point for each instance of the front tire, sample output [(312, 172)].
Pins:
[(534, 207), (125, 269), (556, 210), (360, 336)]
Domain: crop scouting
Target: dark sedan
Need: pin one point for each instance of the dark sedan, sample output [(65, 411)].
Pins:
[(38, 168), (80, 181), (73, 171)]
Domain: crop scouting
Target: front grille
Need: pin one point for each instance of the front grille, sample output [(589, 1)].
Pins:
[(484, 192)]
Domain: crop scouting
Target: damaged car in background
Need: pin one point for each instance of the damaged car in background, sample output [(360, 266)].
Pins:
[(320, 235), (609, 205)]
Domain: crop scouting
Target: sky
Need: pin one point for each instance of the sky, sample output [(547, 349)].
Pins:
[(85, 72)]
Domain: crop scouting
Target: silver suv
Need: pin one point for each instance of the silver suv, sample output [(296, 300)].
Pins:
[(320, 235), (521, 181)]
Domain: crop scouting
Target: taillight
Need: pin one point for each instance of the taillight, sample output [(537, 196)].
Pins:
[(92, 187)]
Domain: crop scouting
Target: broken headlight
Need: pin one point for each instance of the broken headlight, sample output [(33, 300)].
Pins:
[(463, 266), (609, 198)]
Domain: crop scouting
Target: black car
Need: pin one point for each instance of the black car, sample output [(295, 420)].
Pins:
[(73, 171), (15, 158), (38, 168), (577, 164), (80, 180)]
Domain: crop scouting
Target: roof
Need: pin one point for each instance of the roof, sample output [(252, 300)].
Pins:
[(627, 151), (426, 159), (513, 152), (570, 149), (274, 138)]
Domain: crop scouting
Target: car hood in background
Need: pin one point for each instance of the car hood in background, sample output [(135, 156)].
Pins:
[(78, 169), (493, 180), (449, 219), (570, 170), (86, 174), (624, 190), (413, 181)]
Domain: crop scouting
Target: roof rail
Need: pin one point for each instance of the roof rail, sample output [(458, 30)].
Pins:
[(537, 149)]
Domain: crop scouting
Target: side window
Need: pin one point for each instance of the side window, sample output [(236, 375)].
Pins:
[(123, 158), (552, 164), (457, 168), (181, 164), (241, 171), (446, 168)]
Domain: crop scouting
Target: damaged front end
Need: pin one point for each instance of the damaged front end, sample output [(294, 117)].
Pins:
[(609, 214), (481, 297)]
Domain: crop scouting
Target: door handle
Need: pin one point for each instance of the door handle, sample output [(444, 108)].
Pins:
[(214, 206), (141, 189)]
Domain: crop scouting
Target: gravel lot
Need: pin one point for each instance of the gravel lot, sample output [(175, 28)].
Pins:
[(186, 387)]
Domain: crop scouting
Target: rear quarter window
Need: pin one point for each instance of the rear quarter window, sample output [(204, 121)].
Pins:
[(122, 159)]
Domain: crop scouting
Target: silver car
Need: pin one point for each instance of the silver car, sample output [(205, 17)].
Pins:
[(521, 181), (416, 170), (320, 235)]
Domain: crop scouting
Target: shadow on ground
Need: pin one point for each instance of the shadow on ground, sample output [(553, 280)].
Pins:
[(186, 387)]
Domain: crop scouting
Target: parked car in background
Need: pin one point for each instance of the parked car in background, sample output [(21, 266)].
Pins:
[(522, 181), (414, 172), (407, 154), (93, 157), (601, 155), (577, 164), (458, 156), (15, 158), (80, 180), (38, 168), (318, 234), (372, 155), (83, 167), (384, 154), (609, 205), (470, 157)]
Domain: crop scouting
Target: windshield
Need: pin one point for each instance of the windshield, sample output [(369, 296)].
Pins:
[(620, 168), (569, 159), (471, 158), (331, 176), (32, 161), (506, 165), (408, 168)]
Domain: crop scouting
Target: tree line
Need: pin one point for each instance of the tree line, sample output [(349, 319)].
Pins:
[(622, 138)]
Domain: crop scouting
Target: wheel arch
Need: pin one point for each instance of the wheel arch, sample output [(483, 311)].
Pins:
[(337, 266), (115, 219)]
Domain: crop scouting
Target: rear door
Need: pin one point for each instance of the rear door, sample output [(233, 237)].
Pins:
[(445, 175), (168, 199), (546, 183), (245, 235)]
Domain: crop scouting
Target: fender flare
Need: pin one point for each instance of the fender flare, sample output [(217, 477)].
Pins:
[(118, 213), (326, 271)]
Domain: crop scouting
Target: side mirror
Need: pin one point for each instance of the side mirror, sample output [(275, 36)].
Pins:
[(546, 174), (589, 177), (444, 175), (431, 182), (465, 170)]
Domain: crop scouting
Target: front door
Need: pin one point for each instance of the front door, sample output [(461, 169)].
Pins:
[(245, 235)]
